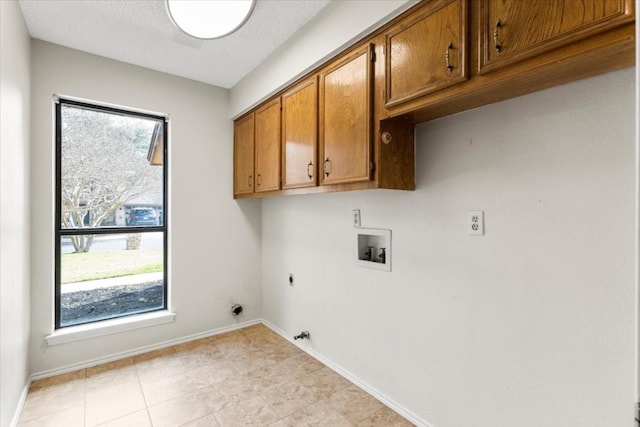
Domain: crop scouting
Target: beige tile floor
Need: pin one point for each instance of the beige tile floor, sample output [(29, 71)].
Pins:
[(249, 377)]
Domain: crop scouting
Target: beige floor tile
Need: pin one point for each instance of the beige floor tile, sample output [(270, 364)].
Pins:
[(229, 336), (255, 360), (111, 386), (111, 378), (354, 404), (216, 372), (277, 347), (111, 367), (234, 348), (384, 417), (252, 354), (71, 417), (316, 415), (282, 352), (266, 338), (163, 353), (324, 382), (254, 412), (180, 410), (137, 419), (208, 421), (109, 408), (289, 397), (258, 329), (244, 367), (229, 392), (54, 394), (195, 344), (197, 353), (167, 388), (279, 423), (268, 376), (301, 365), (231, 343), (273, 340), (63, 380), (158, 364)]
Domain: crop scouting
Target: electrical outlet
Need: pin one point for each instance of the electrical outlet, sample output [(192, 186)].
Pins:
[(356, 218), (475, 224), (291, 279)]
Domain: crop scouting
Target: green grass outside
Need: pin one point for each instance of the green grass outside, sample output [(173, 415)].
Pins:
[(107, 264)]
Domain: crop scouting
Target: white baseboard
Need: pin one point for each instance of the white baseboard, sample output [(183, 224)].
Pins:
[(21, 402), (410, 416), (140, 350)]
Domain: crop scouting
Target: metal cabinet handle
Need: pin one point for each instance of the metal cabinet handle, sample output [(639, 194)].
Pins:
[(250, 180), (446, 58), (496, 40), (327, 167), (258, 180), (310, 170)]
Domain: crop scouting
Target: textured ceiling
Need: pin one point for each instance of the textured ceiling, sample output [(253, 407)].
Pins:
[(140, 32)]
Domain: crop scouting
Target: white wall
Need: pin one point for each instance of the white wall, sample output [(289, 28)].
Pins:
[(532, 324), (637, 375), (14, 208), (337, 26), (215, 241)]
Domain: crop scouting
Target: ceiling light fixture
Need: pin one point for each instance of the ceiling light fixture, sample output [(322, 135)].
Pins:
[(209, 19)]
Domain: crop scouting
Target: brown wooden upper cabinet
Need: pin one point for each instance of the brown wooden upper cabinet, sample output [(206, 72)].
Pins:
[(300, 135), (345, 118), (512, 30), (268, 133), (349, 124), (427, 51), (243, 153)]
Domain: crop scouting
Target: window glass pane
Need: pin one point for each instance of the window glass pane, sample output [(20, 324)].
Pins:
[(111, 173), (110, 176), (122, 274)]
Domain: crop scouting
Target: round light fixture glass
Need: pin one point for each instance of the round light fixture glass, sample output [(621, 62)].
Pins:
[(209, 19)]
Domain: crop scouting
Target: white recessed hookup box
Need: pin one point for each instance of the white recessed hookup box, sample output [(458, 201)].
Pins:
[(373, 248)]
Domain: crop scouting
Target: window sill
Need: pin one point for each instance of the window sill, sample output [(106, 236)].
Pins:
[(108, 327)]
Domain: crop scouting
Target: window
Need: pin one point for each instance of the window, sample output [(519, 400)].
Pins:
[(111, 204)]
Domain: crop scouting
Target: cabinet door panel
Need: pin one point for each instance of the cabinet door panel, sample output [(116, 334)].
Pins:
[(511, 31), (243, 147), (300, 135), (427, 52), (345, 119), (268, 147)]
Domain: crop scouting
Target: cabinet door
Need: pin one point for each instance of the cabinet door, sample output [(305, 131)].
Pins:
[(243, 146), (345, 118), (427, 51), (511, 31), (268, 147), (300, 135)]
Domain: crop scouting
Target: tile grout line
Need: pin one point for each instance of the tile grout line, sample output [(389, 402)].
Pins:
[(84, 409), (146, 404)]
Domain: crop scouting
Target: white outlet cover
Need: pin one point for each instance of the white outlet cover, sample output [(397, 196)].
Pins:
[(475, 223), (357, 222)]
